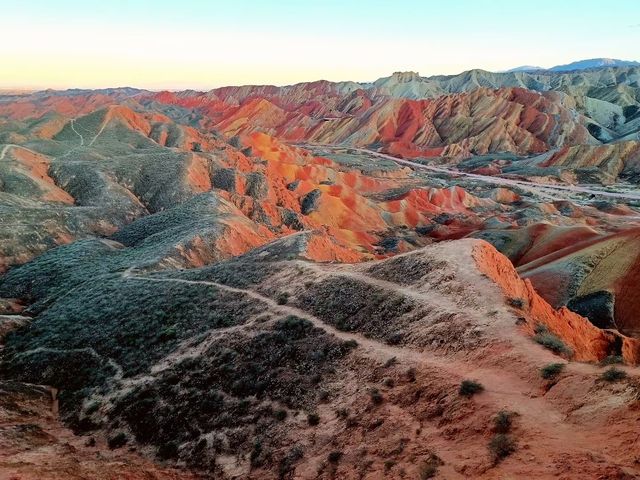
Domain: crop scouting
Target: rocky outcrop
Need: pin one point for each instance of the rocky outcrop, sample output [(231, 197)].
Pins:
[(587, 342)]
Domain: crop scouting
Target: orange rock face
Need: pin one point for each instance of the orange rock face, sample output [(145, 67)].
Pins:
[(606, 262), (587, 342)]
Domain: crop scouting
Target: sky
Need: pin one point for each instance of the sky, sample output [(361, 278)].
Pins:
[(179, 44)]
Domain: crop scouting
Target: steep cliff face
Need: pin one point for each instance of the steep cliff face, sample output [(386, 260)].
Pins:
[(586, 341), (600, 264)]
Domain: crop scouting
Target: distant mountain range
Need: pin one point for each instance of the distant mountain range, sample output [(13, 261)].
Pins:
[(523, 68), (579, 65)]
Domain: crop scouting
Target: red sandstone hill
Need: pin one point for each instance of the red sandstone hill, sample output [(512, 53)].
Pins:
[(481, 121)]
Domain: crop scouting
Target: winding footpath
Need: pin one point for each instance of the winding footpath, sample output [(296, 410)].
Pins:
[(504, 389)]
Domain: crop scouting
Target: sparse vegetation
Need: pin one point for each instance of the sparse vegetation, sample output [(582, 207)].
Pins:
[(468, 388), (551, 341), (342, 413), (118, 440), (355, 306), (551, 371), (516, 302), (612, 360), (282, 298), (313, 419), (613, 374), (405, 270), (503, 421), (334, 457), (288, 461), (232, 386), (376, 396), (501, 446), (428, 468), (280, 414)]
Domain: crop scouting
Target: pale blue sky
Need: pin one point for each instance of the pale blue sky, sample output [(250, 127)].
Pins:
[(204, 44)]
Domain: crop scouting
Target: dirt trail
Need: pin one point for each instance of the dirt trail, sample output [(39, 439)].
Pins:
[(6, 148), (441, 302), (72, 122), (503, 388), (105, 122)]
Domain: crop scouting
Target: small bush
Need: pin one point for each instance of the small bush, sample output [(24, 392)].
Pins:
[(427, 470), (118, 440), (376, 396), (630, 112), (283, 298), (548, 340), (351, 343), (388, 382), (429, 467), (411, 374), (288, 461), (280, 414), (540, 328), (334, 457), (235, 142), (342, 413), (516, 302), (256, 452), (612, 360), (501, 446), (313, 419), (469, 388), (503, 421), (613, 374), (551, 370)]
